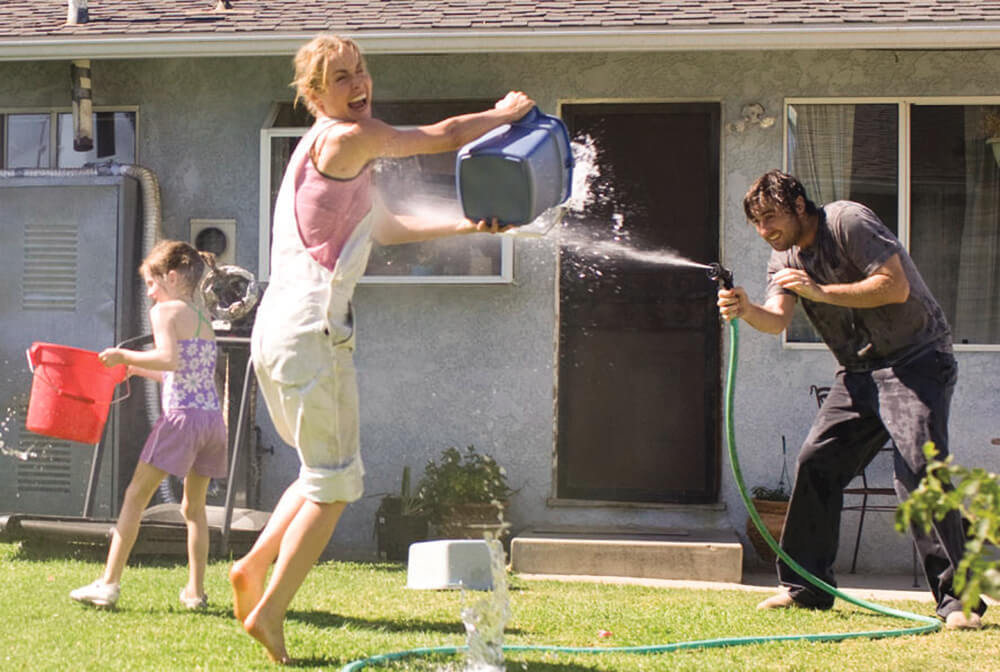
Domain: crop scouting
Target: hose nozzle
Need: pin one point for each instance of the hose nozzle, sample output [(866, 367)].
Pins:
[(720, 274)]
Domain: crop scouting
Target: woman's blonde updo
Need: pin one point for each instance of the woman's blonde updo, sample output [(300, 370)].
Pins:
[(311, 63)]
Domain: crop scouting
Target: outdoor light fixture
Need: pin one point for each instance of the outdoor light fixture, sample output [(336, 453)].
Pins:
[(752, 115)]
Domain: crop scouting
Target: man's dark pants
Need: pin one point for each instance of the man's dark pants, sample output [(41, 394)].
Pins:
[(908, 403)]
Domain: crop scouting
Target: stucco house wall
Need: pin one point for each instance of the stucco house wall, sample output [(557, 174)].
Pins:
[(444, 365)]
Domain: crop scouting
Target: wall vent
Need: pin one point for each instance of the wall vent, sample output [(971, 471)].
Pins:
[(49, 470), (43, 467), (51, 260)]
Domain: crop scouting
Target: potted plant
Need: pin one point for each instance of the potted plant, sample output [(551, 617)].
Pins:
[(771, 505), (399, 521), (465, 494)]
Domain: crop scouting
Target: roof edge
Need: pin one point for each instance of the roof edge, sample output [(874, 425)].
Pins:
[(771, 38)]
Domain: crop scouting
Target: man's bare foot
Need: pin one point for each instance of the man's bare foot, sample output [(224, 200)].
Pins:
[(248, 588), (781, 600), (957, 620), (273, 638)]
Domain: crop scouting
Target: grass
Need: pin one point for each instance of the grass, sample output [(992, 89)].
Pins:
[(347, 611)]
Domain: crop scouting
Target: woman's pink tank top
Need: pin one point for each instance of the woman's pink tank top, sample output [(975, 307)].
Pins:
[(327, 209)]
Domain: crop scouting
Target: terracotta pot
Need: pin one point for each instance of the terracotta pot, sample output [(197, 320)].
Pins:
[(472, 521), (772, 514)]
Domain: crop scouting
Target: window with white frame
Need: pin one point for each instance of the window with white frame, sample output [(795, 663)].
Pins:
[(421, 185), (45, 139), (927, 167)]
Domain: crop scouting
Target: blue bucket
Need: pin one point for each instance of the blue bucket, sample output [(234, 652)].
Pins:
[(516, 171)]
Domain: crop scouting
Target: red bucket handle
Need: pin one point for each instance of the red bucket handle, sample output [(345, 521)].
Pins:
[(32, 363)]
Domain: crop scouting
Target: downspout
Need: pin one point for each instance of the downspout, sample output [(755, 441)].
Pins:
[(83, 119)]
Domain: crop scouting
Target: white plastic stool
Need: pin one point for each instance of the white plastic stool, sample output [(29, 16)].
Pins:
[(449, 563)]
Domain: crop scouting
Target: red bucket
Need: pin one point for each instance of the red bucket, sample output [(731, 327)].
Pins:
[(71, 392)]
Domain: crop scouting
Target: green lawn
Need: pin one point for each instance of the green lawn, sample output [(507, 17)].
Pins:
[(347, 611)]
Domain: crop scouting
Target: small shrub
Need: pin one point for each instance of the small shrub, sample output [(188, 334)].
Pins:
[(975, 494), (461, 478), (778, 494)]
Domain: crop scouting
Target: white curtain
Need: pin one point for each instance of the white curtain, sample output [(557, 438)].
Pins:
[(823, 148), (820, 149), (977, 310)]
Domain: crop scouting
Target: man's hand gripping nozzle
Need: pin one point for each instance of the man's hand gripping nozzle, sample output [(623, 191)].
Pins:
[(721, 275)]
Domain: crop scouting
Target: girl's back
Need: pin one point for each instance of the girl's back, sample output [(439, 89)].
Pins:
[(192, 383)]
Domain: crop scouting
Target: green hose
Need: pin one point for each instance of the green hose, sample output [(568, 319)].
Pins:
[(929, 624)]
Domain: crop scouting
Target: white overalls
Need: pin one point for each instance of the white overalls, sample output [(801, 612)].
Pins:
[(302, 348)]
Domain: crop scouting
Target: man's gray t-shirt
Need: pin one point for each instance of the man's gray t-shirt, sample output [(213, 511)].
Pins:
[(851, 243)]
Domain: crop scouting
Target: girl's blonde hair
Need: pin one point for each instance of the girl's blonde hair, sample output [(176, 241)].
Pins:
[(177, 255), (311, 63)]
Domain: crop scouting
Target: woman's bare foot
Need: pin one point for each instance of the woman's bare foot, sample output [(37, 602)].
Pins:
[(270, 635), (248, 587)]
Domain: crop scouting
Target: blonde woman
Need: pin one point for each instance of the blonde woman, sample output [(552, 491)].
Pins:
[(326, 215)]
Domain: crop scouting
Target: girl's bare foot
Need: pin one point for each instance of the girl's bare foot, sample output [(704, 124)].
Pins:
[(271, 636), (248, 587)]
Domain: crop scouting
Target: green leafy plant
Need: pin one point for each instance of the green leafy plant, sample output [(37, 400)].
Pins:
[(405, 503), (409, 504), (975, 494), (400, 520), (780, 493), (461, 478)]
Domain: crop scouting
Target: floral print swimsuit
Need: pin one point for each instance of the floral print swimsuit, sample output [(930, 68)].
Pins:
[(191, 433)]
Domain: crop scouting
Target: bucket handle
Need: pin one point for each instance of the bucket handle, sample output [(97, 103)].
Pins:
[(530, 117), (76, 397)]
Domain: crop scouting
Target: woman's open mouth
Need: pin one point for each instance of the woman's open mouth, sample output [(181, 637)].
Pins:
[(359, 102)]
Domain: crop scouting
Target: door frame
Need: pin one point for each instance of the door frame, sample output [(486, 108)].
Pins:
[(720, 209)]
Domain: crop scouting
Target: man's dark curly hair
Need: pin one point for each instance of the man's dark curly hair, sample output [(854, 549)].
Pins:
[(774, 190)]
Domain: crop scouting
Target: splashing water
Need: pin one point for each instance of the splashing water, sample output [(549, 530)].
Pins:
[(11, 451), (486, 618), (594, 242)]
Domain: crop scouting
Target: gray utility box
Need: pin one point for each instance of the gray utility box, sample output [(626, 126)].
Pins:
[(69, 253)]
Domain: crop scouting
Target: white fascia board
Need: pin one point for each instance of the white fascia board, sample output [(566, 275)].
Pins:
[(944, 36)]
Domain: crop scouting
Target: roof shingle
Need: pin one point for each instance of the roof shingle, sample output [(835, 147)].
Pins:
[(47, 18)]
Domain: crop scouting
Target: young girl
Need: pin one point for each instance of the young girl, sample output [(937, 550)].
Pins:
[(326, 215), (189, 439)]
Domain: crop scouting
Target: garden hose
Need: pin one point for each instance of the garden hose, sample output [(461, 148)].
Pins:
[(928, 623)]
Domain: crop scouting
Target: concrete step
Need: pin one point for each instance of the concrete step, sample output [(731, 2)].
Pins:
[(695, 555)]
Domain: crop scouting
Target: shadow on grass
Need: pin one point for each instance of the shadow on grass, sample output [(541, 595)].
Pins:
[(34, 550), (325, 619), (43, 550), (434, 662)]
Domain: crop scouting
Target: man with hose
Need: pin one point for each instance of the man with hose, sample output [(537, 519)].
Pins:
[(865, 297)]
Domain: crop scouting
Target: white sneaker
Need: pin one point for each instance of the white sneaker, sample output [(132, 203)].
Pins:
[(193, 603), (98, 593)]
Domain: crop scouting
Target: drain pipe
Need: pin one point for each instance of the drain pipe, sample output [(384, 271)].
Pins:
[(83, 119), (152, 231)]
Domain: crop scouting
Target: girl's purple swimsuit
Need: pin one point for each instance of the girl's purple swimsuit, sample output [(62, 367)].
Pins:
[(191, 433)]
